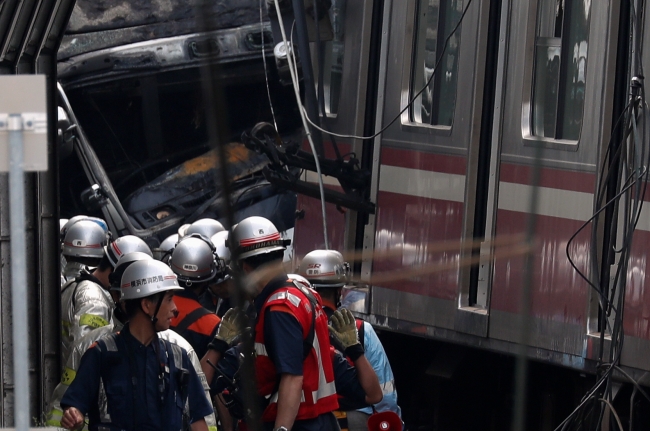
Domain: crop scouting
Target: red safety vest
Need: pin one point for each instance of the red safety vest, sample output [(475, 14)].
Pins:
[(318, 388)]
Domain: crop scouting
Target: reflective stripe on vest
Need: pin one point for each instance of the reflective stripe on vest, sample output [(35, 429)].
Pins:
[(318, 396)]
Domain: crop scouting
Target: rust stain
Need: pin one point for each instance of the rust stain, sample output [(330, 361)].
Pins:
[(236, 153), (199, 164)]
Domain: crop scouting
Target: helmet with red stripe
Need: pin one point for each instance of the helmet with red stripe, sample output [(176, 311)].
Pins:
[(147, 277), (123, 245), (254, 236), (325, 269), (84, 238)]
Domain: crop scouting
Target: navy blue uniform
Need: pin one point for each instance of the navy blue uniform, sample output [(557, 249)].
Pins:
[(145, 389)]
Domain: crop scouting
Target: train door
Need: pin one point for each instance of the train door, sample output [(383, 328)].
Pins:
[(424, 172), (341, 68), (552, 121)]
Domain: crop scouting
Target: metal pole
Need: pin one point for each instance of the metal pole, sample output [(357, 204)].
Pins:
[(18, 271)]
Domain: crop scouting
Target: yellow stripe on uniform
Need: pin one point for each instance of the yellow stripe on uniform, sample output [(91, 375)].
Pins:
[(92, 321), (54, 418), (68, 376), (65, 328)]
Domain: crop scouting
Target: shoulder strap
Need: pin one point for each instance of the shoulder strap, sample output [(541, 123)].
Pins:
[(177, 353), (191, 318), (68, 284), (109, 341), (309, 341)]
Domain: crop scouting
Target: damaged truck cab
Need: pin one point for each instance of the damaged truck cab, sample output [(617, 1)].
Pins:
[(135, 107)]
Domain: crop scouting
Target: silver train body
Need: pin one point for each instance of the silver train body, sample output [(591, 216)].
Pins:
[(510, 138)]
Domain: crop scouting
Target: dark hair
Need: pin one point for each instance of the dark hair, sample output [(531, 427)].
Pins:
[(260, 260), (104, 264), (131, 306), (328, 292)]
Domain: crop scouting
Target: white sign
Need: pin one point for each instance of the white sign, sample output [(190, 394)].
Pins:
[(24, 95)]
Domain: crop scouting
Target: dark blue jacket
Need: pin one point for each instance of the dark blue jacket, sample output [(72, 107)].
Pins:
[(146, 387)]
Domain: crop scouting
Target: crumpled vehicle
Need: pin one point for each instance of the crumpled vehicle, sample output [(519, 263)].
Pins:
[(137, 112)]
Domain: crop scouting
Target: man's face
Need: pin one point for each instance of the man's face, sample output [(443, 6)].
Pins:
[(166, 312)]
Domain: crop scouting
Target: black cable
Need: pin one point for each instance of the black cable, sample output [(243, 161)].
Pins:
[(632, 191)]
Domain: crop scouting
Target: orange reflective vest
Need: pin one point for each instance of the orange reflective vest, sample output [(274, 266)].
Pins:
[(318, 388)]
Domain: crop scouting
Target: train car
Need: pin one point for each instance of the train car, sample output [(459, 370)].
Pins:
[(508, 176)]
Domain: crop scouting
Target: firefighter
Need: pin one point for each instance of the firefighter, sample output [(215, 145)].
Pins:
[(193, 261), (55, 413), (216, 297), (357, 385), (291, 334), (327, 272), (86, 302), (147, 380), (82, 240)]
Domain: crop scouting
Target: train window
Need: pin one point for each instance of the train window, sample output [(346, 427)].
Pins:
[(560, 68), (333, 58), (435, 21)]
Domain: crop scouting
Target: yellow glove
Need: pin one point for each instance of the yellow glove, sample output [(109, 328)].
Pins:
[(231, 326), (344, 328)]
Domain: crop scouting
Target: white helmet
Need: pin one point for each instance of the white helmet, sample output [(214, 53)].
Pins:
[(182, 230), (115, 277), (325, 268), (84, 239), (255, 236), (206, 227), (123, 245), (147, 277), (164, 249), (193, 260)]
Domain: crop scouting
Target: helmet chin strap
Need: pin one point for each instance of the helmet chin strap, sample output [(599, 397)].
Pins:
[(154, 318)]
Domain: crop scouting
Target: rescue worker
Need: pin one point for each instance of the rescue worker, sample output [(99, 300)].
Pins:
[(86, 302), (54, 412), (81, 246), (147, 380), (216, 297), (193, 261), (357, 385), (291, 334), (328, 272)]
